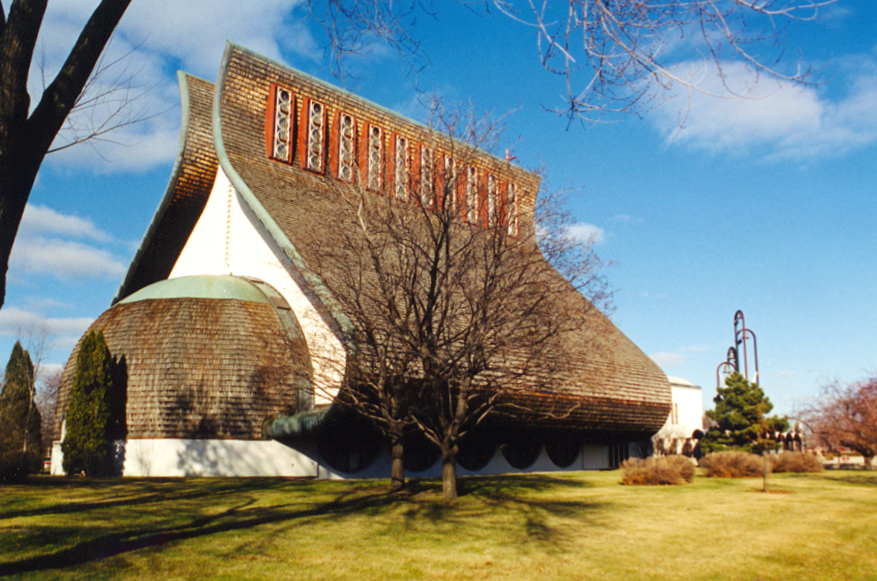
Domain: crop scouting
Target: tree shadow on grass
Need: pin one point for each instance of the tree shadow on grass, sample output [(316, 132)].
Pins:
[(145, 491), (538, 514), (243, 516), (539, 521)]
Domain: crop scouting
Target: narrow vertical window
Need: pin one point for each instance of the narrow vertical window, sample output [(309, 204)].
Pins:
[(449, 195), (375, 156), (427, 188), (282, 115), (471, 195), (401, 168), (512, 209), (491, 201), (346, 131), (316, 131)]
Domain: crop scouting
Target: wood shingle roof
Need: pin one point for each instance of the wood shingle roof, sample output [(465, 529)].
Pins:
[(611, 385)]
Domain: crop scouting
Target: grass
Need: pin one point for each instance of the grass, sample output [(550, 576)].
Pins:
[(559, 526)]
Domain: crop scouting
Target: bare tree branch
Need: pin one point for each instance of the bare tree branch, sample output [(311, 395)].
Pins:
[(25, 138), (454, 311), (615, 56), (845, 416)]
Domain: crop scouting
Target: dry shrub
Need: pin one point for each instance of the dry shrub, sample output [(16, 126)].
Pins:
[(733, 465), (660, 470), (796, 462)]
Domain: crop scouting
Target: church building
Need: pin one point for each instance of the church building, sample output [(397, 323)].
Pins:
[(232, 343)]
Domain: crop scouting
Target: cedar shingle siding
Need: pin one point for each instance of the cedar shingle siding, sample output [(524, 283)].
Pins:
[(224, 378), (200, 367)]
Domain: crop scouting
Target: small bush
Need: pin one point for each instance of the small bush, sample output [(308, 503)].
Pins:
[(733, 465), (661, 470), (796, 462)]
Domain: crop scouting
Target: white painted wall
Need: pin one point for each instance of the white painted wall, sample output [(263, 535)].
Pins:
[(229, 239), (168, 457), (686, 413), (179, 457)]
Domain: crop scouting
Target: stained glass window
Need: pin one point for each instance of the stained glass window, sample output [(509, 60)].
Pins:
[(282, 116), (401, 168), (375, 154), (315, 136), (471, 195), (427, 188), (346, 131)]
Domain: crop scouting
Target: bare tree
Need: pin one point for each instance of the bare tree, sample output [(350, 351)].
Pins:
[(618, 56), (846, 415), (47, 402), (26, 136), (453, 310)]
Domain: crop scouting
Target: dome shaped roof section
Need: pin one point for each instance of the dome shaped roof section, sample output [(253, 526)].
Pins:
[(204, 357), (205, 286)]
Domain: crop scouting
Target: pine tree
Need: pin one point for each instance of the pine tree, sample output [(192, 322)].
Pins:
[(741, 418), (20, 434), (87, 444)]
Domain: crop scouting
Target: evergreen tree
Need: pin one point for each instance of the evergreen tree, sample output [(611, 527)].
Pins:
[(741, 418), (20, 434), (87, 445)]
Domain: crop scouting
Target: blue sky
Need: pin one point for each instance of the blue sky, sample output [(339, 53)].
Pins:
[(763, 204)]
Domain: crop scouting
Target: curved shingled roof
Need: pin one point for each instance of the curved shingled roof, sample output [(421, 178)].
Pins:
[(191, 181), (611, 386), (206, 357)]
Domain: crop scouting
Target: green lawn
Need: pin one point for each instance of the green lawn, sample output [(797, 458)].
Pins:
[(569, 526)]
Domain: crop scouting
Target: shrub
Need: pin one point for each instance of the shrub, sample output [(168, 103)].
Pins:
[(660, 470), (796, 462), (20, 439), (87, 446), (733, 465)]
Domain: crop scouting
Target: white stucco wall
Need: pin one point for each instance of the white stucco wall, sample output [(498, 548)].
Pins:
[(686, 414), (183, 457), (169, 457), (229, 239)]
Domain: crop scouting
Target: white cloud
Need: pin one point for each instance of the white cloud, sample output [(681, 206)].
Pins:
[(697, 348), (152, 41), (14, 321), (47, 244), (793, 122), (54, 337), (667, 359), (64, 259), (44, 220), (587, 232), (47, 370)]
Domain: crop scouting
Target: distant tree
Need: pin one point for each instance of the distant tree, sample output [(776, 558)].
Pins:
[(846, 415), (740, 417), (20, 438), (26, 133), (47, 403), (87, 445)]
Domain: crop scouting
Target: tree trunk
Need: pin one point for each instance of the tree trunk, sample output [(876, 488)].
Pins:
[(16, 180), (397, 470), (449, 474), (25, 140)]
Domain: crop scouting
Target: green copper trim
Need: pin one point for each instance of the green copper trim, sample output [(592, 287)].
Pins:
[(207, 286)]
